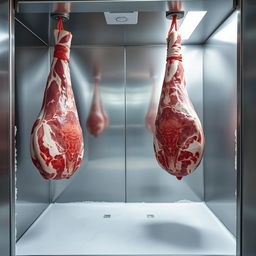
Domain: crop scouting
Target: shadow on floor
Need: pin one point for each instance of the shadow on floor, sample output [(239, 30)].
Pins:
[(174, 234)]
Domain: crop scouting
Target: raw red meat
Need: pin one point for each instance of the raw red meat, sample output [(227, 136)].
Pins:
[(97, 120), (150, 117), (178, 138), (56, 137)]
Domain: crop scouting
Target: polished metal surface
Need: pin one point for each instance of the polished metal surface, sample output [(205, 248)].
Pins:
[(151, 254), (101, 177), (27, 37), (119, 165), (248, 127), (220, 122), (7, 186), (115, 6), (146, 181), (38, 24), (32, 68), (179, 14), (239, 136), (57, 15), (89, 27)]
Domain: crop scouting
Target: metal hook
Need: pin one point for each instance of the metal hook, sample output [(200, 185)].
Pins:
[(64, 16), (170, 14)]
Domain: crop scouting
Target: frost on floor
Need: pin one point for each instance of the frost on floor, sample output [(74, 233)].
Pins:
[(127, 229)]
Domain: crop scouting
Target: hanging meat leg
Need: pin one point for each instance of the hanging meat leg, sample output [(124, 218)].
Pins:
[(56, 139), (178, 138)]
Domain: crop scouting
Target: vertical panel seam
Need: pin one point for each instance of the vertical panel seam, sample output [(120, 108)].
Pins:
[(125, 127), (11, 133), (239, 200)]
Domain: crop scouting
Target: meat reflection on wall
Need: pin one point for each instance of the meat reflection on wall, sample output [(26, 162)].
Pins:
[(150, 117), (56, 138), (97, 121), (178, 138)]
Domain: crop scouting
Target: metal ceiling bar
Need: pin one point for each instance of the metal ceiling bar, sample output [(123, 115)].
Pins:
[(33, 33), (93, 6)]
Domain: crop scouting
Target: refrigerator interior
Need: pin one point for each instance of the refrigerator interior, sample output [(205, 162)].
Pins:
[(120, 202)]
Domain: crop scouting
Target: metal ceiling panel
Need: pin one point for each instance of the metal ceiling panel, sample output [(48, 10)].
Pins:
[(89, 27)]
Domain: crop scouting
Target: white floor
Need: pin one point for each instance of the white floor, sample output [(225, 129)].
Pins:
[(127, 229)]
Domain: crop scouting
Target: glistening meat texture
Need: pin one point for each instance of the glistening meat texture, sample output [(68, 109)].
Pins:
[(56, 139), (178, 138), (97, 120)]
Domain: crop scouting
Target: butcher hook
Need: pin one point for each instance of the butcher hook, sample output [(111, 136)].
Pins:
[(64, 16), (170, 14)]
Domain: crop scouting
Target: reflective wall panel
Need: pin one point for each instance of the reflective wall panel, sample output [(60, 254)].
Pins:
[(248, 128), (146, 181), (7, 234), (119, 165), (32, 68), (220, 119), (101, 176)]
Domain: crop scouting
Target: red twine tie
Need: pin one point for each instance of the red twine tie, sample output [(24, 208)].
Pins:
[(175, 27), (60, 51), (175, 58), (60, 24)]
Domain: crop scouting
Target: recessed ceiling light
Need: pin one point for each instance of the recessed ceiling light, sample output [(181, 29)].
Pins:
[(124, 18), (228, 31), (121, 19), (190, 22)]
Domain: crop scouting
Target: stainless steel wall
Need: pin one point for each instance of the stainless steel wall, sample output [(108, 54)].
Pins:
[(7, 223), (101, 176), (247, 125), (119, 165), (32, 67), (220, 122)]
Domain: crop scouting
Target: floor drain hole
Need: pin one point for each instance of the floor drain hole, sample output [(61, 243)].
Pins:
[(150, 216), (107, 216)]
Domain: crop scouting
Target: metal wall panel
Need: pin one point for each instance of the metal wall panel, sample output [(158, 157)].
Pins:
[(107, 174), (146, 181), (7, 223), (33, 194), (248, 128), (26, 37), (101, 177), (38, 23), (220, 122)]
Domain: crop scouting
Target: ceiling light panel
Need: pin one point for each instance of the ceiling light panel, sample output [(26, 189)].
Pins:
[(124, 18), (190, 22), (228, 31)]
